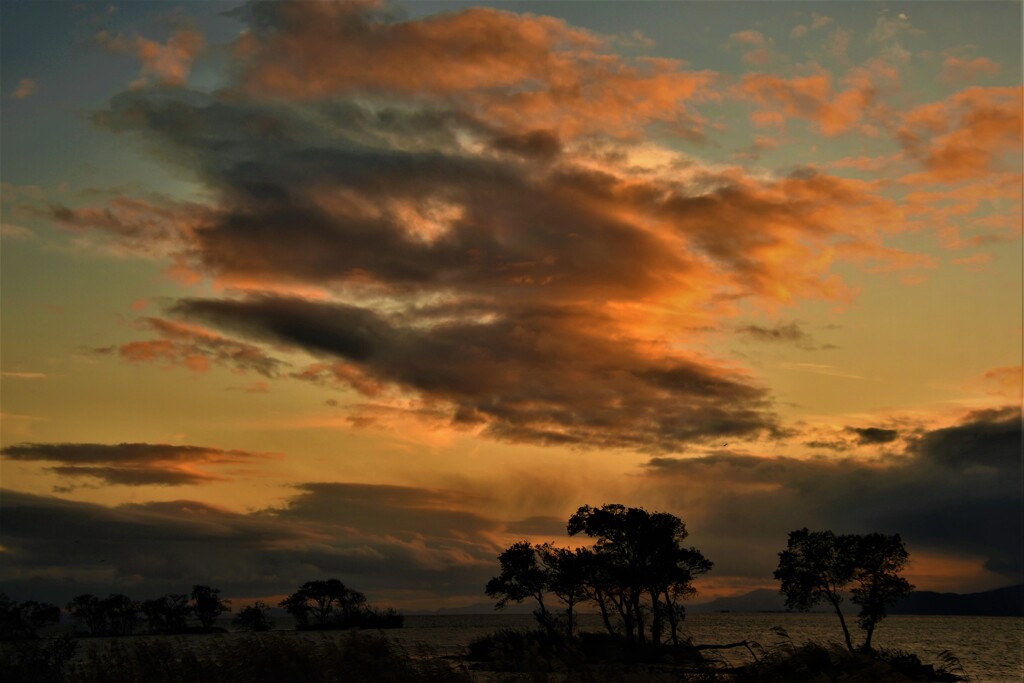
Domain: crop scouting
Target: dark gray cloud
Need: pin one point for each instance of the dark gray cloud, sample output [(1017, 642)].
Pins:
[(874, 435), (954, 490), (541, 375), (394, 543), (540, 144), (784, 333), (133, 464)]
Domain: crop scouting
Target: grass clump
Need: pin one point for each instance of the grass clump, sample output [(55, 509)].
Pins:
[(833, 663)]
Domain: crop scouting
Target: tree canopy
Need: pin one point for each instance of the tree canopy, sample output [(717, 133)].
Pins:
[(637, 567), (819, 566)]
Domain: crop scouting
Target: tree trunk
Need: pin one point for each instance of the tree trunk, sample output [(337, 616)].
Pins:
[(604, 613), (867, 640), (635, 598), (655, 617), (673, 618), (842, 622)]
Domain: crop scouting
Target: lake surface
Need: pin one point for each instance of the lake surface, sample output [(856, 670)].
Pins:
[(991, 649)]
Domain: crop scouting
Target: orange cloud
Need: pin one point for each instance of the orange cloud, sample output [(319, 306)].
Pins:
[(957, 70), (194, 348), (168, 63), (973, 133), (854, 105), (973, 213), (342, 373), (809, 97), (525, 71), (1005, 381), (757, 49)]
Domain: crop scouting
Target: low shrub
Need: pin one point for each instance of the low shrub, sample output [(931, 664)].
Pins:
[(814, 663)]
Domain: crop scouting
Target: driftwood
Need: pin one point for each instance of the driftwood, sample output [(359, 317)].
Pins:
[(727, 646)]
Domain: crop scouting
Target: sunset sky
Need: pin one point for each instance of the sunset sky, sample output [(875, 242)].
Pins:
[(371, 291)]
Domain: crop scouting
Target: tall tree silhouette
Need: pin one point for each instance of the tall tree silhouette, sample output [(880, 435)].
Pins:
[(521, 577), (121, 612), (641, 564), (637, 566), (88, 611), (817, 566), (207, 605), (880, 558)]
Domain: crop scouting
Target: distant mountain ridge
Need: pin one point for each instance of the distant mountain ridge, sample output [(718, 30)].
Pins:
[(1001, 602)]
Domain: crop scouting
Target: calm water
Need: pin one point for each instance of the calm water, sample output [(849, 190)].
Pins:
[(991, 649)]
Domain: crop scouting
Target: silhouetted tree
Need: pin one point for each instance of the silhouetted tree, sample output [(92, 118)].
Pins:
[(566, 577), (168, 613), (817, 565), (121, 613), (328, 602), (637, 566), (641, 564), (295, 605), (24, 619), (207, 605), (254, 617), (115, 614), (88, 610), (879, 560), (522, 576)]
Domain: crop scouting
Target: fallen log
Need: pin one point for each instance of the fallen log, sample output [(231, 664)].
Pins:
[(728, 646)]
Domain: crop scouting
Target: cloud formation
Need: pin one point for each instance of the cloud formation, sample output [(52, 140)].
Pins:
[(134, 464), (195, 348), (401, 544), (166, 63), (784, 333), (521, 72), (973, 133), (486, 237), (421, 546), (952, 491), (538, 376)]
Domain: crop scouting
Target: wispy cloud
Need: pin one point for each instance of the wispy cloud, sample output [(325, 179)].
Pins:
[(133, 464), (195, 348), (24, 375)]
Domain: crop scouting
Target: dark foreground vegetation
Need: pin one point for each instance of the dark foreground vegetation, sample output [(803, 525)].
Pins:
[(506, 656), (262, 658), (597, 657)]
